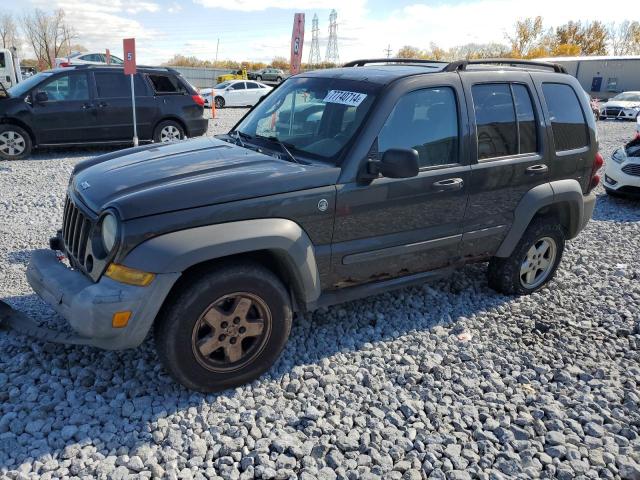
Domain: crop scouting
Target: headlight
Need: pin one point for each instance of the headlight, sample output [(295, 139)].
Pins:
[(109, 232), (619, 155)]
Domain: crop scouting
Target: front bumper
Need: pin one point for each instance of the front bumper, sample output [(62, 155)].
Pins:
[(89, 307), (616, 176)]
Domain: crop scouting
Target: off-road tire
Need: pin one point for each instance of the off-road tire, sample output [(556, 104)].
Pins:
[(172, 125), (175, 326), (19, 135), (504, 273)]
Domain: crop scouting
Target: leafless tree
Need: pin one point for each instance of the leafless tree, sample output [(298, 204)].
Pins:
[(8, 31), (625, 38), (48, 34)]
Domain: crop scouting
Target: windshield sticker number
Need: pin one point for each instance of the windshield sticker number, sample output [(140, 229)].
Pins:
[(352, 99)]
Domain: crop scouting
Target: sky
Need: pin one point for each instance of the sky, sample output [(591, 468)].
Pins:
[(259, 30)]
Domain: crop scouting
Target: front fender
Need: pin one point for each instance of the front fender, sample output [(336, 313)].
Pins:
[(177, 251)]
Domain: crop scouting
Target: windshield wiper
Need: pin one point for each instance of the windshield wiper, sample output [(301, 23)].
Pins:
[(235, 134), (282, 145)]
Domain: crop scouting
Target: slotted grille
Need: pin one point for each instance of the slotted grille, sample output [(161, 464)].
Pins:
[(75, 232), (612, 111), (632, 169)]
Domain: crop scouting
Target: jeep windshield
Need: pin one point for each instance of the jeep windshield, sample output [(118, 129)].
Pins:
[(313, 117)]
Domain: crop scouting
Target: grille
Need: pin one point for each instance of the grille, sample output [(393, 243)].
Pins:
[(612, 111), (632, 169), (75, 233)]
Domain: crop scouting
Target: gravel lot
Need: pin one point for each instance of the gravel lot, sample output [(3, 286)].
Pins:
[(450, 380)]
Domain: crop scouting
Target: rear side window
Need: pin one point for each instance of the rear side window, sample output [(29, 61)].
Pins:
[(2, 60), (117, 85), (505, 120), (252, 85), (165, 84), (495, 120), (567, 118), (427, 121)]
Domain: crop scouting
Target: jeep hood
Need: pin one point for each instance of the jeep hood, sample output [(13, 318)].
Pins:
[(157, 179)]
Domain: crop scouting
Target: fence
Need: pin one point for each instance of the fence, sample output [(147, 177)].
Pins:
[(202, 77)]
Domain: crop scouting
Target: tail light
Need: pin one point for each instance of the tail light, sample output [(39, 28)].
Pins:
[(64, 64), (598, 162), (198, 99)]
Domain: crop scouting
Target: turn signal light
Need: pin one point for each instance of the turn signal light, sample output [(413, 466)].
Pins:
[(130, 276), (120, 319)]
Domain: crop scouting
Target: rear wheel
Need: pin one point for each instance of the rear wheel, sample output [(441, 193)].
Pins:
[(279, 79), (226, 329), (168, 131), (219, 102), (15, 142), (533, 262), (259, 78)]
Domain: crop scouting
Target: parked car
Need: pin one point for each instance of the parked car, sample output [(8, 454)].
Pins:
[(92, 105), (237, 75), (622, 173), (624, 106), (342, 183), (93, 58), (236, 93), (268, 74)]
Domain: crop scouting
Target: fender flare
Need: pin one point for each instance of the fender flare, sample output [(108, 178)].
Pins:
[(177, 251), (567, 192)]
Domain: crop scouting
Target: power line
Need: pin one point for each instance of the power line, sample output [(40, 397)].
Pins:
[(332, 46), (314, 53)]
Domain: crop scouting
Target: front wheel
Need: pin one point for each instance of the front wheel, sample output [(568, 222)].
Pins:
[(225, 328), (15, 142), (279, 79), (168, 131), (533, 262), (259, 78)]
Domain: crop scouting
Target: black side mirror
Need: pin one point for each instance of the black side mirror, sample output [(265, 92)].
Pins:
[(396, 163), (41, 97)]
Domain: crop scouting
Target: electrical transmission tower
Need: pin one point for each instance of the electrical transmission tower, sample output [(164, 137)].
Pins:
[(332, 45), (314, 53)]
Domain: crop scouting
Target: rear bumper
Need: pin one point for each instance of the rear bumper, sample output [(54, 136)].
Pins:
[(89, 307), (587, 212), (197, 127)]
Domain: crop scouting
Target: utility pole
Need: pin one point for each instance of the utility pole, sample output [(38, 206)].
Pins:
[(314, 53), (388, 50), (217, 48)]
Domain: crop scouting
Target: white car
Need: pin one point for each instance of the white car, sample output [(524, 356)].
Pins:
[(236, 93), (624, 106), (95, 58), (622, 172)]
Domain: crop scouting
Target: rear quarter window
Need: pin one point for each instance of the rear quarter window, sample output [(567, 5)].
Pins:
[(567, 118), (166, 84)]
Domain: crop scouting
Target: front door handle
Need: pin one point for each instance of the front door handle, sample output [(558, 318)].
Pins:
[(449, 184), (103, 104), (537, 169), (87, 106)]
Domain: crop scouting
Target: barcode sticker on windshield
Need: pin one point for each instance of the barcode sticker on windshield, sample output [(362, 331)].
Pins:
[(353, 99)]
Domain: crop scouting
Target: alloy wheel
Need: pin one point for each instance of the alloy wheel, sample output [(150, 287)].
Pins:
[(170, 133), (231, 332), (538, 262), (12, 143)]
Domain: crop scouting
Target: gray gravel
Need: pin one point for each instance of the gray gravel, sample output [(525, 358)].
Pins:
[(450, 380)]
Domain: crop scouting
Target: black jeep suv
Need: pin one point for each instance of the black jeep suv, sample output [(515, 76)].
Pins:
[(91, 104), (340, 184)]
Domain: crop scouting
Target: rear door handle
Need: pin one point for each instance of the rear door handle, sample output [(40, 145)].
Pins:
[(537, 169), (87, 106), (448, 184), (103, 104)]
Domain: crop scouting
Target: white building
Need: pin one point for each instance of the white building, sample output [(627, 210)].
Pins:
[(603, 76)]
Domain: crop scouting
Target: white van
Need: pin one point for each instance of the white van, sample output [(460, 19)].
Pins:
[(10, 73)]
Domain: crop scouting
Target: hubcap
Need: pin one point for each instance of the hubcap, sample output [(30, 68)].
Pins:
[(12, 143), (231, 332), (170, 133), (538, 262)]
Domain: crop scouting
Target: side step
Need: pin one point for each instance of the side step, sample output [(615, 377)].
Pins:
[(349, 294), (21, 323)]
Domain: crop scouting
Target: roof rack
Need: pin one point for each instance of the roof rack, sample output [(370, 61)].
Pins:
[(462, 64), (98, 65), (363, 62)]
